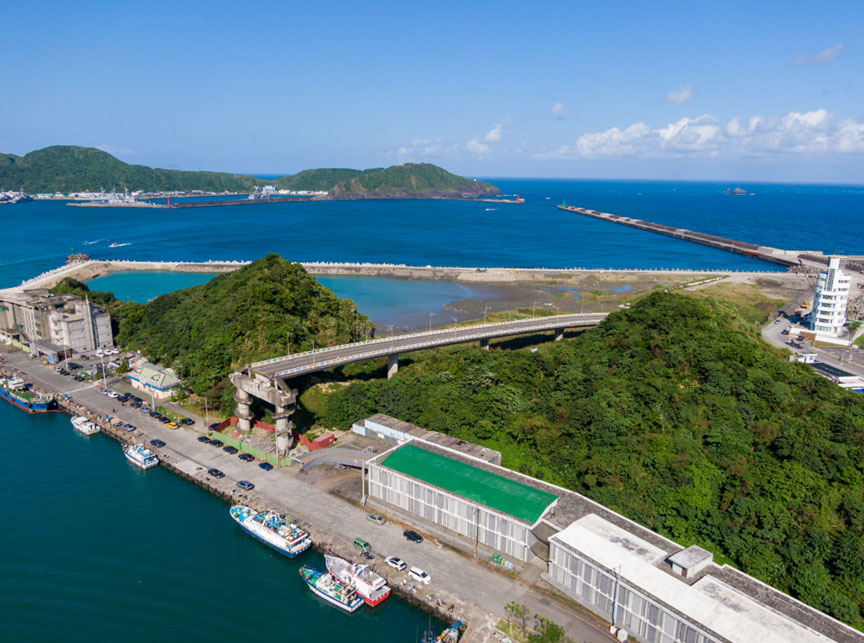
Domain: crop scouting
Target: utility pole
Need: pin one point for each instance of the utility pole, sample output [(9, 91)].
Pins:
[(485, 310)]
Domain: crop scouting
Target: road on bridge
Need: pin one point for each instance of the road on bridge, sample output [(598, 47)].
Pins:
[(324, 358)]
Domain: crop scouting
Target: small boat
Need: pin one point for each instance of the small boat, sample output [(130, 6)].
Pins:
[(140, 457), (119, 245), (449, 635), (272, 529), (367, 583), (331, 589), (16, 391), (85, 426)]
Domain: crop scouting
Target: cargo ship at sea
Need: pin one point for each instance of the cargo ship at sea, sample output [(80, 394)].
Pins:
[(272, 529), (16, 391), (331, 589), (367, 583)]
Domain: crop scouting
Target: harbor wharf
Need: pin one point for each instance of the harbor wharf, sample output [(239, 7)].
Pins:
[(91, 268), (477, 591), (766, 253), (190, 204)]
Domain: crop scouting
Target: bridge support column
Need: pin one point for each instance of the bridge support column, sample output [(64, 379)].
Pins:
[(392, 365), (484, 344), (284, 439), (244, 413), (559, 334)]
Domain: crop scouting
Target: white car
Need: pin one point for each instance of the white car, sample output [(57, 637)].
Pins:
[(99, 353), (396, 563), (113, 394), (419, 575)]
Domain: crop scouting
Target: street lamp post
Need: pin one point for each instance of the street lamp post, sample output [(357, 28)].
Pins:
[(485, 310), (430, 321)]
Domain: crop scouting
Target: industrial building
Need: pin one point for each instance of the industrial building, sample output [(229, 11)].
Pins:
[(52, 325), (649, 587)]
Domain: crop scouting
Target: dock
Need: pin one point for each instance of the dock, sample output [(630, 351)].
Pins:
[(765, 253), (189, 204)]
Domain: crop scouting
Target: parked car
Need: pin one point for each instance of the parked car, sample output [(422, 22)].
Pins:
[(229, 449), (157, 443), (266, 466), (172, 425), (163, 419), (396, 563), (785, 331), (246, 485), (203, 439), (412, 535), (419, 575), (187, 421), (216, 473), (362, 545), (113, 394), (246, 457), (217, 443), (378, 520)]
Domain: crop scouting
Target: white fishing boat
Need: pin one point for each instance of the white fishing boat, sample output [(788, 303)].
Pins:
[(272, 529), (85, 426), (372, 587), (140, 457)]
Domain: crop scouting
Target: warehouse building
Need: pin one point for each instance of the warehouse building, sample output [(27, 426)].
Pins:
[(649, 587), (480, 505)]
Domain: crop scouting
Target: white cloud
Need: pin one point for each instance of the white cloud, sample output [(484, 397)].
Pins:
[(114, 150), (476, 147), (494, 134), (828, 55), (813, 132), (558, 110), (681, 95)]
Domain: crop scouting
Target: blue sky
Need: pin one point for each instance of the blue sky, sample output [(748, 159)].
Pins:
[(756, 91)]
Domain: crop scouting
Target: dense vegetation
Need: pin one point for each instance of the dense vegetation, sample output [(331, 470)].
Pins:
[(239, 317), (409, 180), (67, 168), (320, 180), (677, 415)]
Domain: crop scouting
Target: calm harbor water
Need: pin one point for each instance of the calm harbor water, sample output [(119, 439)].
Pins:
[(403, 303), (534, 234), (96, 550)]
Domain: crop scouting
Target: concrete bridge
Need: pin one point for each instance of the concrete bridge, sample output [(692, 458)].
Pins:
[(268, 380)]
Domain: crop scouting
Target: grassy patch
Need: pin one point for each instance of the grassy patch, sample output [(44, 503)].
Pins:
[(748, 299)]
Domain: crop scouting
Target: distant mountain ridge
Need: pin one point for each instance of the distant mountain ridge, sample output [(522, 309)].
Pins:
[(69, 168)]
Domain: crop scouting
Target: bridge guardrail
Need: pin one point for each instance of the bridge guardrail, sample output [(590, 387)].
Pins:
[(401, 348), (425, 333)]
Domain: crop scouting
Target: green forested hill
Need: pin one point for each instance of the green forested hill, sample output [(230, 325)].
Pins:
[(408, 180), (321, 180), (676, 414), (243, 316), (67, 168)]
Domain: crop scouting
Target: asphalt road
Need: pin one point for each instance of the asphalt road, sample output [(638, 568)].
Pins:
[(478, 591), (324, 358), (849, 359)]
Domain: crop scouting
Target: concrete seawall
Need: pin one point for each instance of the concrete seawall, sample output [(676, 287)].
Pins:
[(765, 253), (90, 269)]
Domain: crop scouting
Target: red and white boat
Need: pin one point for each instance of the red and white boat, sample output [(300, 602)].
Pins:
[(366, 583)]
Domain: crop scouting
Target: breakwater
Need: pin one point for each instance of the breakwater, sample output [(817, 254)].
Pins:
[(766, 253), (90, 269)]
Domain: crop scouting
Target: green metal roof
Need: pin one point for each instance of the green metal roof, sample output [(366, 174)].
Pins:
[(484, 487)]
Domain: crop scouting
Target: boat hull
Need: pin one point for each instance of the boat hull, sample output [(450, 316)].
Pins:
[(29, 407), (141, 465), (347, 607), (272, 545)]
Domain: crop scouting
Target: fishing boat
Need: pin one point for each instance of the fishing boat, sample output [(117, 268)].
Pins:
[(140, 457), (331, 589), (367, 583), (272, 529), (85, 426), (16, 391)]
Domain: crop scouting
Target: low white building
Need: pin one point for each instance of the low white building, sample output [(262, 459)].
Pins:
[(154, 380), (828, 316)]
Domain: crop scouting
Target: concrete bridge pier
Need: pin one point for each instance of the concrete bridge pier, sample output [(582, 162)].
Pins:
[(559, 335), (392, 365), (484, 344), (284, 438), (244, 412)]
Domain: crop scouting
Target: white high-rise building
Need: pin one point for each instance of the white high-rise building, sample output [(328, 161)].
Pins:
[(832, 295)]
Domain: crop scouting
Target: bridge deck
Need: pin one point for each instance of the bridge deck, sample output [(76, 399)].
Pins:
[(324, 358)]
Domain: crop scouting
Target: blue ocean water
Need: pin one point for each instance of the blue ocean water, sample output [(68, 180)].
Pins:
[(39, 235), (96, 550)]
